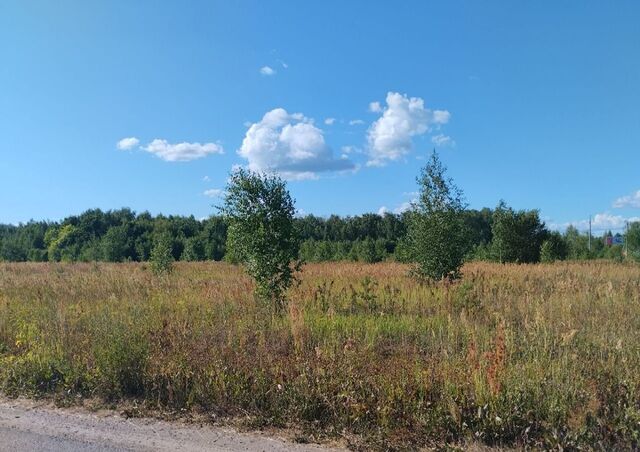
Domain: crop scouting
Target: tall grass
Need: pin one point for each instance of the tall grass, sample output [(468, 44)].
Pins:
[(536, 355)]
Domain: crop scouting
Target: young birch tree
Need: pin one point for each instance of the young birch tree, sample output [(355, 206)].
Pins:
[(437, 238), (262, 234)]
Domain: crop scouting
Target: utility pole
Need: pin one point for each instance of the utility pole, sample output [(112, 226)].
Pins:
[(589, 233), (626, 239)]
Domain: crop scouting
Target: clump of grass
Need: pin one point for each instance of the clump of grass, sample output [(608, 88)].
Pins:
[(539, 356)]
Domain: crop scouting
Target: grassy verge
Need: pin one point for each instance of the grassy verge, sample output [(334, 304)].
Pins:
[(544, 356)]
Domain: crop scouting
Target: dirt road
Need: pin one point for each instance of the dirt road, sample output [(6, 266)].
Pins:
[(32, 426)]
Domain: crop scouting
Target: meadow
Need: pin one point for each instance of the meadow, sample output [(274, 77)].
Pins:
[(544, 355)]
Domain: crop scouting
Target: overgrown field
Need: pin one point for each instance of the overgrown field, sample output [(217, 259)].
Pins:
[(540, 355)]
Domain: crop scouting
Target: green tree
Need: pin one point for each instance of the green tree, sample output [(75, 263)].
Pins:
[(62, 243), (554, 248), (161, 258), (193, 249), (615, 253), (261, 232), (633, 241), (578, 244), (437, 238), (479, 224), (116, 246), (517, 235)]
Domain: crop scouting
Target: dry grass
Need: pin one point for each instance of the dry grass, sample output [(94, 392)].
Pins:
[(540, 355)]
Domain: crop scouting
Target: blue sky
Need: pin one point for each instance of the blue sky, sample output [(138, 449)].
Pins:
[(532, 102)]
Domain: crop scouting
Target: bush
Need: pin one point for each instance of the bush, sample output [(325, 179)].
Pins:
[(161, 258), (554, 248)]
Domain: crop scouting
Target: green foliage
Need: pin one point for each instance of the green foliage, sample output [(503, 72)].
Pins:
[(437, 237), (62, 243), (122, 235), (615, 253), (161, 257), (116, 244), (367, 250), (578, 244), (23, 243), (194, 249), (546, 252), (517, 235), (553, 248), (633, 241), (481, 252), (479, 226), (262, 233)]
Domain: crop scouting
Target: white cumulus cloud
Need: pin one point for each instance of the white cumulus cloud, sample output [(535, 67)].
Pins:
[(441, 117), (214, 192), (403, 207), (267, 70), (291, 145), (181, 152), (375, 107), (390, 136), (356, 122), (127, 143), (442, 140), (330, 121), (632, 200)]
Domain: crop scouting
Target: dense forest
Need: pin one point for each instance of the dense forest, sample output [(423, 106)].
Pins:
[(500, 234)]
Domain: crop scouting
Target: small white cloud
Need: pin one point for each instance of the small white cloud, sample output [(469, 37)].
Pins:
[(266, 70), (291, 145), (182, 152), (402, 207), (441, 117), (206, 179), (350, 149), (356, 122), (127, 143), (214, 192), (375, 107), (442, 140), (330, 121), (283, 64), (390, 136), (632, 200)]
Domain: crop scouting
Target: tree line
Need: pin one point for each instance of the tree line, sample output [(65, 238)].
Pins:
[(500, 234), (438, 218)]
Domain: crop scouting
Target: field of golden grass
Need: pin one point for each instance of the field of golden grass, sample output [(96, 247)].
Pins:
[(529, 355)]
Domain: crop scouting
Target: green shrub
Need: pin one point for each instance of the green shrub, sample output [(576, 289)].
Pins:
[(161, 258)]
